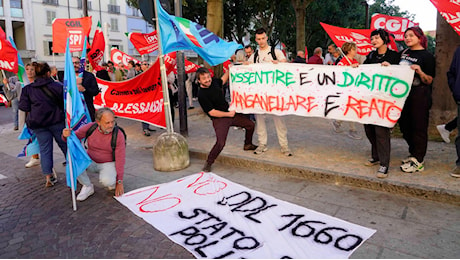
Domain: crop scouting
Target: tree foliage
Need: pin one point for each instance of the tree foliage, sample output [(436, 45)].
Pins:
[(242, 17)]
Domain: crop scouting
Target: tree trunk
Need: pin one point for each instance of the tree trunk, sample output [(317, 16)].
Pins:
[(300, 12), (444, 108), (215, 15)]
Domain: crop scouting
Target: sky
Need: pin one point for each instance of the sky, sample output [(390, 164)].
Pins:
[(424, 10)]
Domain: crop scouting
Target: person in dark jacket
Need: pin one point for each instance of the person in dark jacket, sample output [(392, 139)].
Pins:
[(453, 79), (43, 103), (88, 86), (300, 58)]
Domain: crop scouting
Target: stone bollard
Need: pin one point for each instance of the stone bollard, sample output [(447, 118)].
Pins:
[(170, 153)]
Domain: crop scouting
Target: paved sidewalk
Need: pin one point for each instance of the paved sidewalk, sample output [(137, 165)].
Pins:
[(39, 223), (322, 155)]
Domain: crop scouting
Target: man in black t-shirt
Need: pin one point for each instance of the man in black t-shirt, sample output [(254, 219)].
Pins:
[(213, 103)]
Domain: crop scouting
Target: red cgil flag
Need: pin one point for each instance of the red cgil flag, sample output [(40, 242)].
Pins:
[(144, 43), (75, 29), (392, 24), (96, 54)]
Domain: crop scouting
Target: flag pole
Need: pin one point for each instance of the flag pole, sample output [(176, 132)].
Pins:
[(164, 82), (72, 186)]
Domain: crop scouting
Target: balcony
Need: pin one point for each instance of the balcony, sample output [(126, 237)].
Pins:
[(51, 2), (114, 9)]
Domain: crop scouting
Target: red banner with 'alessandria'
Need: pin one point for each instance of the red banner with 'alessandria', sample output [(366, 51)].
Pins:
[(75, 29), (139, 98)]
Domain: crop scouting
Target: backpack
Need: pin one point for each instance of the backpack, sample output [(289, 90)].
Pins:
[(272, 52), (113, 142)]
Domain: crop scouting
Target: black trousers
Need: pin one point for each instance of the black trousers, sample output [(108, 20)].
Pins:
[(222, 125), (379, 137), (414, 121)]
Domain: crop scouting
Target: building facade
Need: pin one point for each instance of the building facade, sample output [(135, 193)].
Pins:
[(29, 22)]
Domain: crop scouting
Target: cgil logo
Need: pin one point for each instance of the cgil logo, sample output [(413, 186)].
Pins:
[(73, 24), (392, 25)]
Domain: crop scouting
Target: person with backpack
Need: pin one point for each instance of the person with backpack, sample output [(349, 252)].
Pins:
[(43, 103), (266, 53), (106, 147)]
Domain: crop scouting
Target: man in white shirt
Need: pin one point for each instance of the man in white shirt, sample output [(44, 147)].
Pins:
[(263, 54)]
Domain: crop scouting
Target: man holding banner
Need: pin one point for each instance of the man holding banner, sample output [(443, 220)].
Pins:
[(262, 55)]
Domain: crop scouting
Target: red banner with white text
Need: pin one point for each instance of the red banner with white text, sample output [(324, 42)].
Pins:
[(450, 10), (96, 54), (144, 43), (8, 54), (118, 56), (362, 38), (75, 29), (392, 24), (170, 62), (139, 98)]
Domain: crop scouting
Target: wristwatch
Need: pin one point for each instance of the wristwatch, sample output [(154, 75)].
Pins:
[(119, 181)]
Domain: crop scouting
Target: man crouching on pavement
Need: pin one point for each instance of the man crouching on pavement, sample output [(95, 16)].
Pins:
[(110, 166), (212, 101)]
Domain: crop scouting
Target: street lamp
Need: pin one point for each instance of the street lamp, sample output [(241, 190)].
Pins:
[(366, 5)]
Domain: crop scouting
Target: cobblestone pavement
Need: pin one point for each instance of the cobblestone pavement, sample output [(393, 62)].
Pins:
[(39, 223)]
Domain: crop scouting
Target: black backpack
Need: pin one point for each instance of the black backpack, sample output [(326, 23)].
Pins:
[(113, 142), (272, 52)]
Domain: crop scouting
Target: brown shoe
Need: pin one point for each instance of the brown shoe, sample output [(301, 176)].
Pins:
[(249, 147)]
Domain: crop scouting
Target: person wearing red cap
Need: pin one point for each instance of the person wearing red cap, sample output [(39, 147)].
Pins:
[(415, 113)]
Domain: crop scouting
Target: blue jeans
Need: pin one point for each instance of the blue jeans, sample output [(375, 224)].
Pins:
[(14, 106), (45, 141)]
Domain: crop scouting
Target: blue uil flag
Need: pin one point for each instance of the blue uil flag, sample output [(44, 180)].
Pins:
[(177, 33)]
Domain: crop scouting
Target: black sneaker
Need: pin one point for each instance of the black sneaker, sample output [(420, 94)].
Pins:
[(382, 172), (249, 147), (146, 132)]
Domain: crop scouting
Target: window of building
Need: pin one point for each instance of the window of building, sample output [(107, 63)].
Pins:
[(50, 16), (1, 7), (48, 48), (16, 8), (114, 24), (16, 4)]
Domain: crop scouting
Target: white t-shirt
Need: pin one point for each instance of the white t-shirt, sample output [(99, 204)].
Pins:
[(266, 56)]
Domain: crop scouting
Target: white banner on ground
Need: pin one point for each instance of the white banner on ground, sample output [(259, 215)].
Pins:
[(215, 218), (369, 94)]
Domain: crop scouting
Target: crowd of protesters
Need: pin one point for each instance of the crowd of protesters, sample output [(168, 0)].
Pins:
[(41, 101)]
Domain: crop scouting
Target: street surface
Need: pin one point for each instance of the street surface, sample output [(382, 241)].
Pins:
[(39, 223)]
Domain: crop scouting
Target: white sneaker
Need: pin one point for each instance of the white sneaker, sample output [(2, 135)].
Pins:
[(444, 133), (413, 166), (85, 192), (32, 162), (261, 149), (286, 151)]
